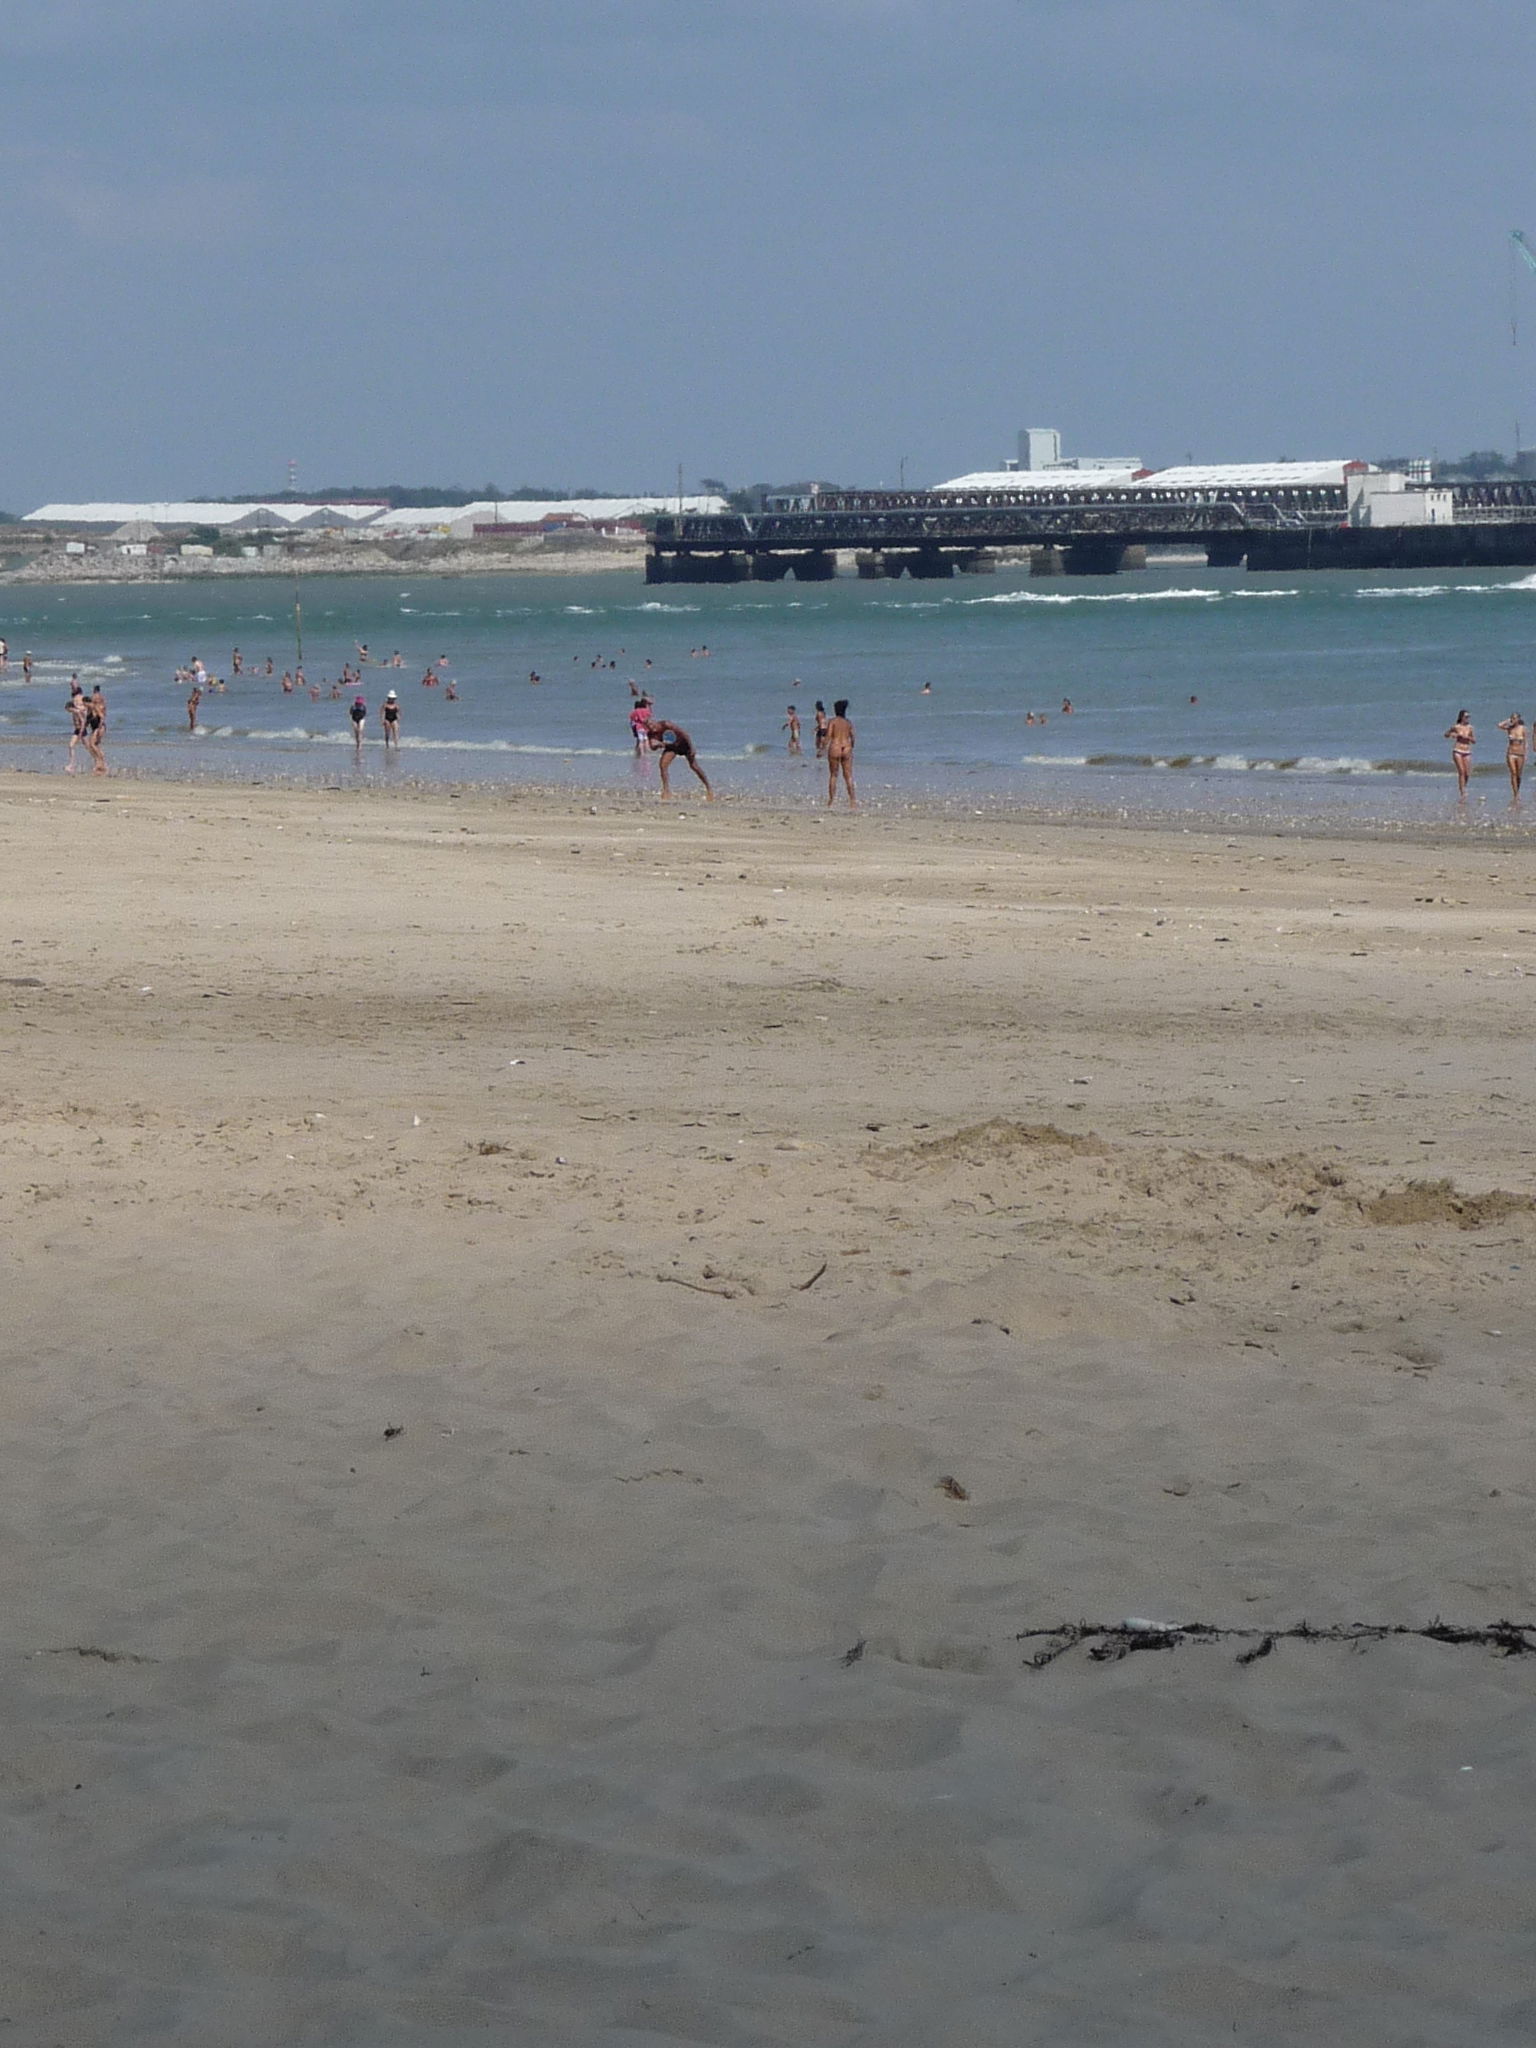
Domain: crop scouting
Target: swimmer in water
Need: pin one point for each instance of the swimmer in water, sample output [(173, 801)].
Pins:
[(1517, 743), (1462, 739)]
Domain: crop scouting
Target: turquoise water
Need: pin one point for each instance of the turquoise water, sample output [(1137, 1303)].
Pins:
[(1315, 695)]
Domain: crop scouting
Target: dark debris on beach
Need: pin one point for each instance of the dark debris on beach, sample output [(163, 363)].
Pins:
[(1108, 1642)]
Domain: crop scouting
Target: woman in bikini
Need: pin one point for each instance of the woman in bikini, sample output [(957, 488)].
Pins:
[(1462, 739), (840, 751), (1516, 743)]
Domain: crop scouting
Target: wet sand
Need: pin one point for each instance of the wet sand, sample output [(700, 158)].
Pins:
[(554, 1350)]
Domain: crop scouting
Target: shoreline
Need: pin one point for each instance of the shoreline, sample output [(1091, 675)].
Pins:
[(887, 805), (448, 563)]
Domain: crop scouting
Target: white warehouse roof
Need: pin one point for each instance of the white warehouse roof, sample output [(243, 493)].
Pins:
[(1200, 476), (528, 512), (409, 518), (1247, 476), (1037, 479), (192, 514)]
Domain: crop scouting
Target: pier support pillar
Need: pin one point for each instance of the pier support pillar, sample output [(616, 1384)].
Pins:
[(872, 566), (929, 565), (769, 568), (1046, 562), (1226, 552), (685, 567), (819, 566), (1095, 558)]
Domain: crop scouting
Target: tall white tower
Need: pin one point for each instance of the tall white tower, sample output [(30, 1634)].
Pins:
[(1039, 447)]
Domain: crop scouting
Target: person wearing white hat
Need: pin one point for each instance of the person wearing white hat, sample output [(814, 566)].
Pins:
[(391, 716)]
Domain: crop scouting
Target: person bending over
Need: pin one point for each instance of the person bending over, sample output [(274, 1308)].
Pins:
[(671, 743)]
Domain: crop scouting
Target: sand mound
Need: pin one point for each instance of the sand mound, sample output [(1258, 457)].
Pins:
[(1085, 1175), (998, 1138), (1441, 1201)]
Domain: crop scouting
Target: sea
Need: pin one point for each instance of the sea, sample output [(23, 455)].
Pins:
[(1196, 695)]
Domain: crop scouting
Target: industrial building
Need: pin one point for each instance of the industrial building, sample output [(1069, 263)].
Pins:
[(360, 517)]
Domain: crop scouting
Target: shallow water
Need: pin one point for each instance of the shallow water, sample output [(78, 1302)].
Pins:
[(1194, 690)]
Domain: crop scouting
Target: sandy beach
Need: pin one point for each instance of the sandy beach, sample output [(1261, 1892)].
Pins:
[(556, 1345)]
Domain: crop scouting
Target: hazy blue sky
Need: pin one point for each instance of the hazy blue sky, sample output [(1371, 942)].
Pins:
[(585, 240)]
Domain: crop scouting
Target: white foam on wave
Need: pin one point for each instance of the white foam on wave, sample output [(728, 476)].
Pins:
[(1263, 593), (417, 744), (1055, 760), (654, 605), (283, 732), (1093, 596), (585, 611), (1406, 590)]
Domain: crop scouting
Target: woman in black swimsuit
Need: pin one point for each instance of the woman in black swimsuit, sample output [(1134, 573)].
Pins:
[(673, 744), (391, 721), (95, 729), (358, 715)]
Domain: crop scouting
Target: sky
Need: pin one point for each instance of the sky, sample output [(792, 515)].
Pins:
[(583, 242)]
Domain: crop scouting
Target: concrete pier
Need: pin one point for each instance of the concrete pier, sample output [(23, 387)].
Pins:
[(1083, 529)]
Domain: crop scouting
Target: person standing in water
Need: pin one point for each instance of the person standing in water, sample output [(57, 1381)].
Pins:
[(1517, 744), (96, 730), (193, 702), (791, 725), (76, 721), (391, 716), (1462, 739), (840, 737), (821, 729), (359, 717)]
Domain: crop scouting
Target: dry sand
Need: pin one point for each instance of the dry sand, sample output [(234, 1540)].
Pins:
[(494, 1289)]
